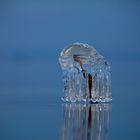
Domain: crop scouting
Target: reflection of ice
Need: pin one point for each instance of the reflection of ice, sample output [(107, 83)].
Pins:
[(85, 122)]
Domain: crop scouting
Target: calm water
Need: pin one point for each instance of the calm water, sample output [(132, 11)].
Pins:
[(31, 108), (32, 34)]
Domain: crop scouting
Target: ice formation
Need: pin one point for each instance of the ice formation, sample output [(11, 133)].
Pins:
[(86, 74)]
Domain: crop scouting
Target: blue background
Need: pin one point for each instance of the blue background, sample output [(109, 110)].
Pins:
[(32, 35)]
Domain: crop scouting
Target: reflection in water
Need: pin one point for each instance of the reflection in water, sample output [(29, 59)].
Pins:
[(85, 122)]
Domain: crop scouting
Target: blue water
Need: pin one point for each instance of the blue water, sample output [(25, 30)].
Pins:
[(33, 33)]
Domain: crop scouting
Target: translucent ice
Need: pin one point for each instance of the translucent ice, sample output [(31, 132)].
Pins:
[(86, 74)]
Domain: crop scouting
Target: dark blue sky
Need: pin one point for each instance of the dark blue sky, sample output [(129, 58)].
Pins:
[(113, 27), (38, 30)]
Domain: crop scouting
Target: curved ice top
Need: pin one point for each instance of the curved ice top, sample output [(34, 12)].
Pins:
[(83, 55)]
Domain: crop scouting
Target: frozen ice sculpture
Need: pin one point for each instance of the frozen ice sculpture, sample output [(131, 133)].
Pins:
[(86, 74)]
